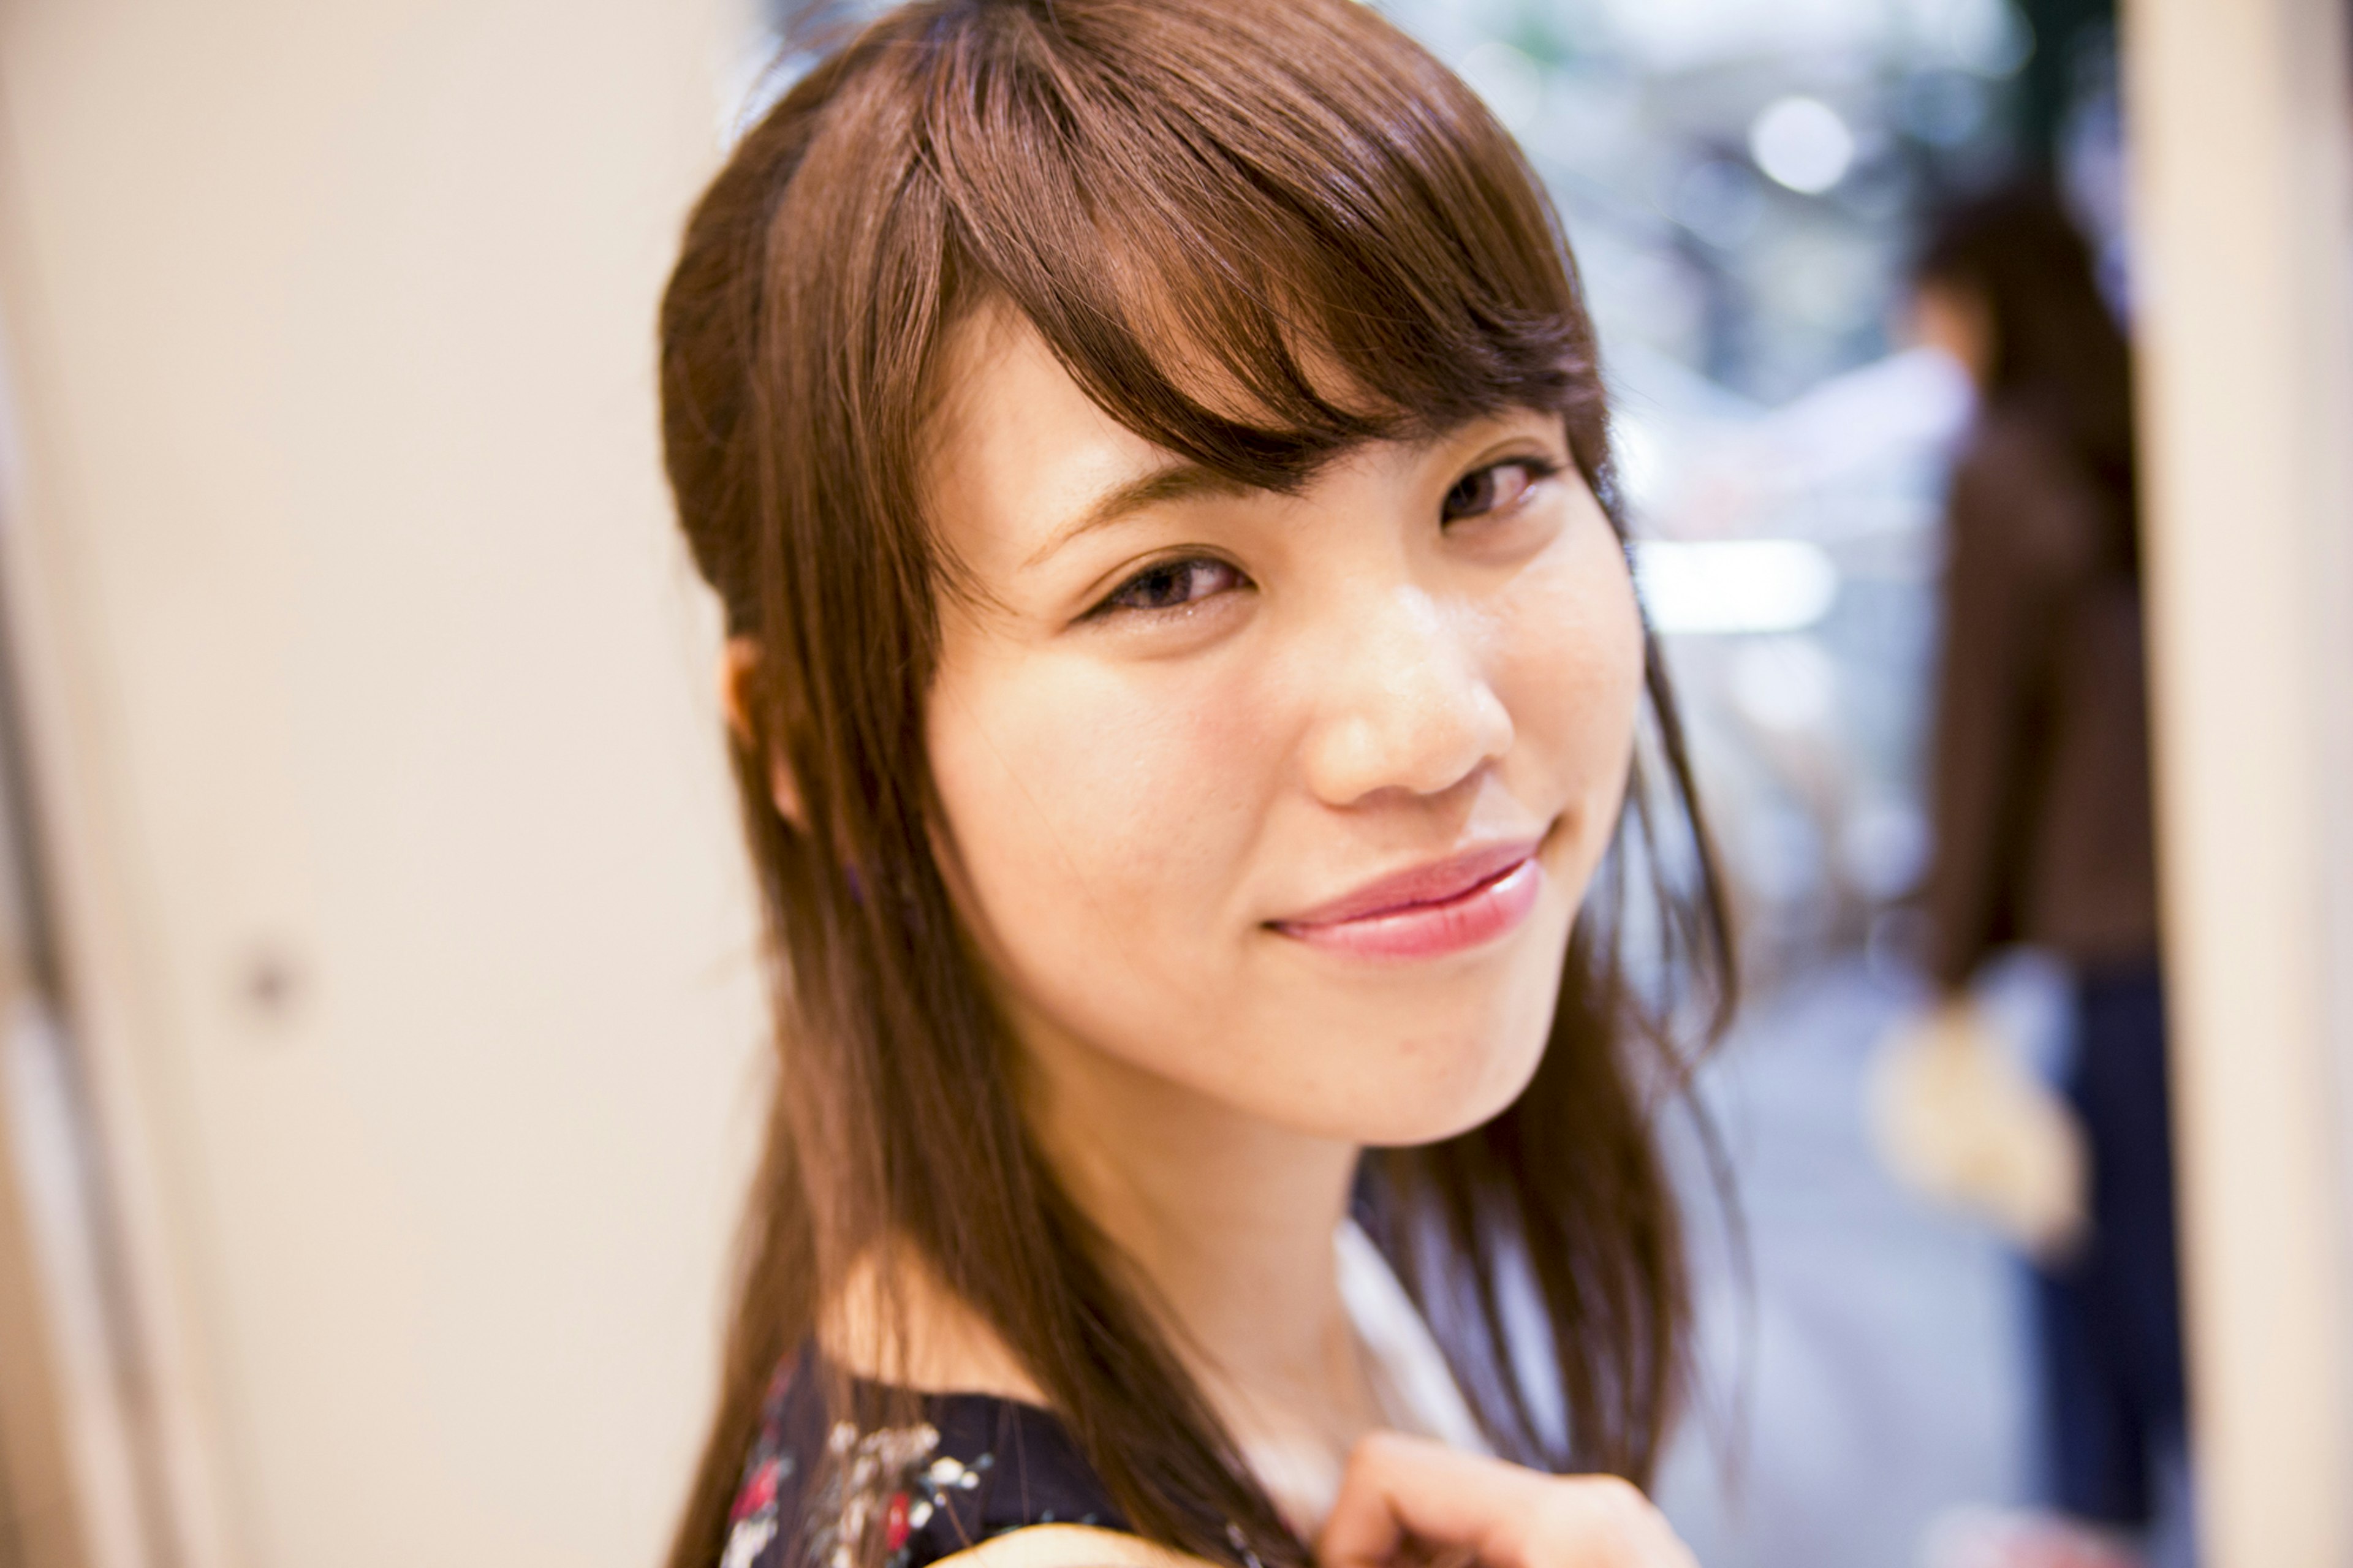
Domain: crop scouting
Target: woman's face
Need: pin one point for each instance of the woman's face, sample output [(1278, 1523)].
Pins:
[(1955, 319), (1283, 802)]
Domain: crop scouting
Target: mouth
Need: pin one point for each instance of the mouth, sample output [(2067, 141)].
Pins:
[(1445, 906)]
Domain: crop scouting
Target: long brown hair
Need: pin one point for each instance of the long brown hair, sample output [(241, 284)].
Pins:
[(1208, 209), (2060, 359)]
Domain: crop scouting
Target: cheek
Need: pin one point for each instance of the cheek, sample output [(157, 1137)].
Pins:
[(1568, 666), (1091, 817)]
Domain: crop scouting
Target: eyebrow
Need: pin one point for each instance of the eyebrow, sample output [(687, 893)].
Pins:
[(1181, 480)]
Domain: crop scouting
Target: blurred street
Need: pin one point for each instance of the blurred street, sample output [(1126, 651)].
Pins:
[(1870, 1376)]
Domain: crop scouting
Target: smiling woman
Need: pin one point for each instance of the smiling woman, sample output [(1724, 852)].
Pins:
[(1188, 688)]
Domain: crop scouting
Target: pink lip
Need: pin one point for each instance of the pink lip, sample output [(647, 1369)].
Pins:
[(1444, 907)]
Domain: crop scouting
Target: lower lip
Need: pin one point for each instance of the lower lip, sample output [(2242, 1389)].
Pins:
[(1432, 930)]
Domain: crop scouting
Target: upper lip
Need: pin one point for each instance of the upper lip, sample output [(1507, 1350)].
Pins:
[(1433, 882)]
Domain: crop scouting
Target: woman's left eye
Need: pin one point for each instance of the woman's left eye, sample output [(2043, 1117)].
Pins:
[(1498, 487), (1174, 585)]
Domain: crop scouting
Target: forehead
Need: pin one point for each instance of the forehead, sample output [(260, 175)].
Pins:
[(1014, 446)]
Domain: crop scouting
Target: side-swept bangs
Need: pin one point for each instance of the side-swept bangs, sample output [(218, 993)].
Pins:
[(1255, 252)]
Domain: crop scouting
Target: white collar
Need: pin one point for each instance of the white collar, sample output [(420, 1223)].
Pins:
[(1414, 1385)]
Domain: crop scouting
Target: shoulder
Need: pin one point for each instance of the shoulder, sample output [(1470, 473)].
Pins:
[(1071, 1546), (2009, 457), (934, 1341), (847, 1473), (2016, 492)]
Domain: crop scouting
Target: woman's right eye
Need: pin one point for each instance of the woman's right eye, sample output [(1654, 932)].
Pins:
[(1174, 585)]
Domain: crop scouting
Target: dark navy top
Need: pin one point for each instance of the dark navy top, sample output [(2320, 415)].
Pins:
[(817, 1488)]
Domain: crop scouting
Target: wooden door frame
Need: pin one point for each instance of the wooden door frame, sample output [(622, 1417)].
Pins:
[(2242, 154)]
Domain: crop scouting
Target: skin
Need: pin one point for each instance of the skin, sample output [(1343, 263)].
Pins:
[(1409, 1501), (1954, 319), (1157, 740)]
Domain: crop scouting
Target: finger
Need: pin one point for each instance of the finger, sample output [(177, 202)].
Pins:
[(1399, 1489), (1599, 1521), (1396, 1487)]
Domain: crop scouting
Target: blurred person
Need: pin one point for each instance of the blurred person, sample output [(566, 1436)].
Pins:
[(2041, 811), (1184, 680)]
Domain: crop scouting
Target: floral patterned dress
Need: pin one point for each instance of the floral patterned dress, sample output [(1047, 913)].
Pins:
[(972, 1466)]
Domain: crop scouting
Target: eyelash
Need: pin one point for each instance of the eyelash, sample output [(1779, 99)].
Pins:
[(1163, 571), (1538, 470)]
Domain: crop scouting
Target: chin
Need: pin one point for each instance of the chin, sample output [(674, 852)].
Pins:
[(1402, 1102), (1440, 1082)]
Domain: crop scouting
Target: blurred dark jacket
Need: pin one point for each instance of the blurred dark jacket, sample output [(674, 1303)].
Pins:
[(2042, 821)]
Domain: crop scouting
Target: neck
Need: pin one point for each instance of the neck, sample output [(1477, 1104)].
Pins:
[(1228, 1221)]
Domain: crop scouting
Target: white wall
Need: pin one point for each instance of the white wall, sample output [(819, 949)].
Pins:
[(361, 647)]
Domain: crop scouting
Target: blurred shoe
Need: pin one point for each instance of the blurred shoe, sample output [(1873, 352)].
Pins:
[(2019, 1538)]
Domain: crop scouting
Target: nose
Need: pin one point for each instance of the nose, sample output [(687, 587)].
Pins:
[(1403, 702)]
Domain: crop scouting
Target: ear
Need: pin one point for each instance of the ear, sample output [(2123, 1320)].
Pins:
[(739, 670)]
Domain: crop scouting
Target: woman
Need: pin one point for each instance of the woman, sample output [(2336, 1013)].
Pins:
[(1184, 681), (2042, 807)]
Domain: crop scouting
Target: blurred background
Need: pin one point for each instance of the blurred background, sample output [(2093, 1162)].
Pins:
[(1747, 188), (379, 1038)]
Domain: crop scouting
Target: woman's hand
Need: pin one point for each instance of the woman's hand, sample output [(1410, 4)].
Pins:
[(1405, 1501)]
